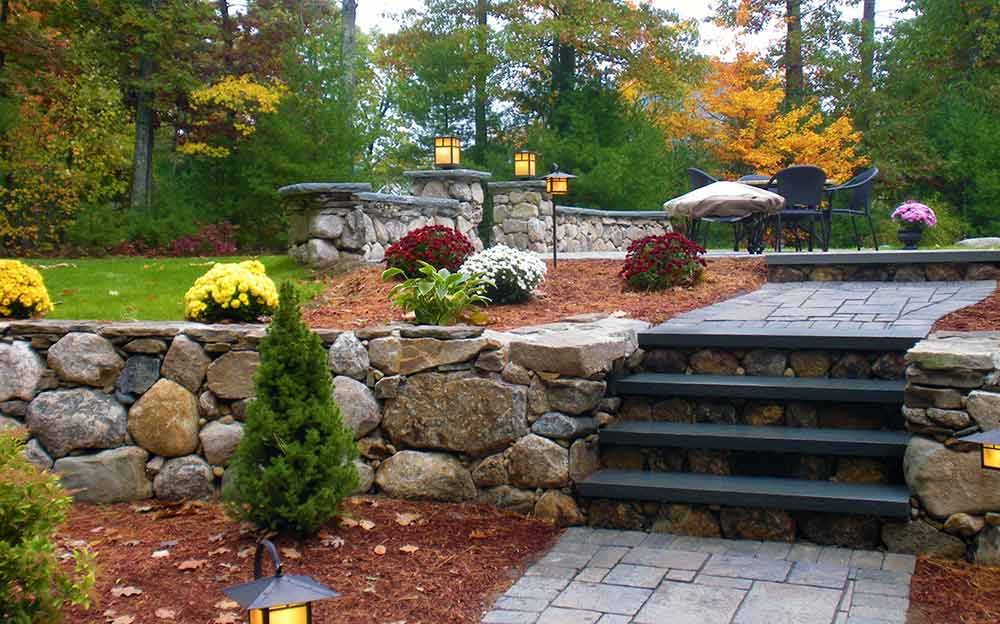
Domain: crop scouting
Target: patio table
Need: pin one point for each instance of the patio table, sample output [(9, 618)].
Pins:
[(749, 205)]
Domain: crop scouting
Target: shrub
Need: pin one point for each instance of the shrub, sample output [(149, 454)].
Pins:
[(437, 297), (33, 584), (658, 262), (294, 463), (514, 274), (22, 291), (231, 291), (439, 246)]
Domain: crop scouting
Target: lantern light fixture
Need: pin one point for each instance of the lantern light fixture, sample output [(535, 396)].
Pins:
[(989, 442), (557, 182), (447, 152), (278, 599), (524, 164)]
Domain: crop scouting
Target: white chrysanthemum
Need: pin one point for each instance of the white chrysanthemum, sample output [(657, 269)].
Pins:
[(515, 274)]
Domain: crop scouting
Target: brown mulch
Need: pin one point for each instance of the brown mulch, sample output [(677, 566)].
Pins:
[(954, 592), (359, 298), (983, 316), (465, 555)]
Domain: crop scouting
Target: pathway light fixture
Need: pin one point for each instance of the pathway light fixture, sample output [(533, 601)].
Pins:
[(447, 152), (989, 443)]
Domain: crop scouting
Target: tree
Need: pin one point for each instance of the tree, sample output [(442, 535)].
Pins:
[(294, 463)]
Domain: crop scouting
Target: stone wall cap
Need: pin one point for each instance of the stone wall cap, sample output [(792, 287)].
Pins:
[(448, 174), (515, 185), (615, 214), (312, 188), (409, 200), (974, 351)]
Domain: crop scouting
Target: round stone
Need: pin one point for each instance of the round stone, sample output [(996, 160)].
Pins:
[(85, 359), (185, 478), (165, 420), (76, 419)]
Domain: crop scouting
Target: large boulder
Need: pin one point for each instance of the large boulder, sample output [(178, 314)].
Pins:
[(186, 363), (75, 419), (405, 356), (358, 407), (434, 476), (21, 371), (366, 477), (185, 478), (916, 537), (574, 396), (219, 441), (348, 356), (535, 461), (686, 520), (108, 477), (458, 413), (85, 359), (165, 420), (984, 408), (231, 376), (949, 482), (558, 508), (571, 353)]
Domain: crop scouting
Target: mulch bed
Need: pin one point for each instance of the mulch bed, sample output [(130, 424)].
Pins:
[(359, 298), (983, 316), (457, 558), (954, 592)]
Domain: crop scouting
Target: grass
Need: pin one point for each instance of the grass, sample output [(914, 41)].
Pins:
[(136, 288)]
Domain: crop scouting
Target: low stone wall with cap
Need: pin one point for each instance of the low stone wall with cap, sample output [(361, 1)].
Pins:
[(127, 411), (953, 390), (522, 217)]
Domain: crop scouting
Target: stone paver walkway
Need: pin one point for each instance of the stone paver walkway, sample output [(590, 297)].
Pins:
[(601, 576), (911, 306)]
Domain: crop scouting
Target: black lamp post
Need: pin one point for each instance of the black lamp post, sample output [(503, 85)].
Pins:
[(277, 599), (556, 183), (989, 443)]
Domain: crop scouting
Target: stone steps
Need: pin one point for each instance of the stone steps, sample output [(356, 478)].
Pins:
[(771, 388)]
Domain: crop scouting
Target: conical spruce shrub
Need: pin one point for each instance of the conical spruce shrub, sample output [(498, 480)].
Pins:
[(294, 464)]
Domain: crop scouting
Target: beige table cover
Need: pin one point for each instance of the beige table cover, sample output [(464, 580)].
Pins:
[(725, 199)]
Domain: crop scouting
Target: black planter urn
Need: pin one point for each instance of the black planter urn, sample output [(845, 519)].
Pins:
[(909, 237)]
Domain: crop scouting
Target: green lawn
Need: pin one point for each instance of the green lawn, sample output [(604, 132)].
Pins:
[(127, 288)]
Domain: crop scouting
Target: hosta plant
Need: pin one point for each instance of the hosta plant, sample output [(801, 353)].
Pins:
[(231, 291), (514, 274), (663, 261), (22, 291), (437, 296), (439, 246)]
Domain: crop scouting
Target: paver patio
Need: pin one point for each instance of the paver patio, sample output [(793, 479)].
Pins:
[(601, 576)]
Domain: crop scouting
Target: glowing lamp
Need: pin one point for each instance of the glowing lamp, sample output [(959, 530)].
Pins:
[(447, 152), (557, 182), (989, 443), (278, 599), (524, 164)]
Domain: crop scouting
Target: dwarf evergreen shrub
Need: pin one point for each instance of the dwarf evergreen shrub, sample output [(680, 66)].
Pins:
[(294, 464), (33, 584)]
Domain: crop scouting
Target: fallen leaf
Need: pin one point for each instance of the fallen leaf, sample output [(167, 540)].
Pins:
[(131, 543), (409, 548), (406, 519), (227, 604), (160, 554), (334, 541), (348, 523), (165, 614), (123, 619), (126, 590), (367, 525), (219, 551), (380, 550), (216, 538), (191, 564), (290, 553), (227, 618), (246, 552)]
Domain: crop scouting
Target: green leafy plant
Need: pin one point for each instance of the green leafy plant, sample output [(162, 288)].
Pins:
[(33, 584), (295, 462), (437, 297)]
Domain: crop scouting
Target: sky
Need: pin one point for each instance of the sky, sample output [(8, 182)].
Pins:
[(714, 40)]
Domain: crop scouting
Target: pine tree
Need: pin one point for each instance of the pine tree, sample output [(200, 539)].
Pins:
[(294, 464)]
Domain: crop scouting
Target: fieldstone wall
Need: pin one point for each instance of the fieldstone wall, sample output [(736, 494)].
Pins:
[(522, 216), (953, 390), (126, 411), (338, 225), (910, 272)]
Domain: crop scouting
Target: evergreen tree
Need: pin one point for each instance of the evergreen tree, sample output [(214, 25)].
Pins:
[(294, 464)]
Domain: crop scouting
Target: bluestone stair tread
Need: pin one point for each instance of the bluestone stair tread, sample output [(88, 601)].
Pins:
[(805, 440), (751, 387), (668, 336), (740, 491)]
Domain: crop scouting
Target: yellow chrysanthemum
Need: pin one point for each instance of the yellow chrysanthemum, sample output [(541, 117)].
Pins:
[(22, 291), (224, 293)]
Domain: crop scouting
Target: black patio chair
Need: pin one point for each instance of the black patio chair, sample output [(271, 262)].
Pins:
[(859, 204), (802, 188), (698, 179)]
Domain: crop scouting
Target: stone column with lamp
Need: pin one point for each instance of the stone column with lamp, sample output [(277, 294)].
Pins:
[(463, 185)]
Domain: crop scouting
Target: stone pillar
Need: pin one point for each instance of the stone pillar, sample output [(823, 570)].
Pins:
[(327, 225), (522, 213), (464, 185)]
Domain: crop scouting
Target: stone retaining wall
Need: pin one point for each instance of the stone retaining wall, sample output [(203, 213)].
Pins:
[(953, 389), (930, 272), (125, 411), (522, 216)]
